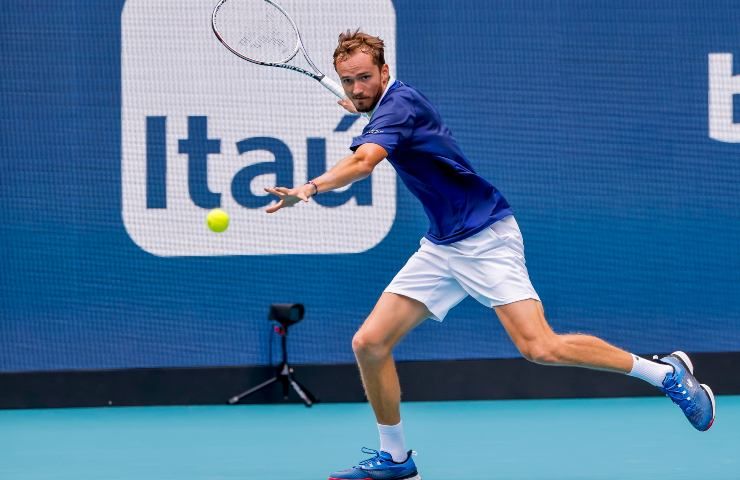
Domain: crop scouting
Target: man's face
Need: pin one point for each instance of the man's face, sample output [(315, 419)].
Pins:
[(362, 80)]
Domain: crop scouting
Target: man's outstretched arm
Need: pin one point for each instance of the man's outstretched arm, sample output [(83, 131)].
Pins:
[(350, 169)]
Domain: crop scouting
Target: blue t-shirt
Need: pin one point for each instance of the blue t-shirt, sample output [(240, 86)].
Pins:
[(458, 201)]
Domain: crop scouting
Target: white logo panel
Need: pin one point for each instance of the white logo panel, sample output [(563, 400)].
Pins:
[(202, 129), (723, 85)]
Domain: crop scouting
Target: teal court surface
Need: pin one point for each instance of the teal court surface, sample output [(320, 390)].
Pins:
[(628, 438)]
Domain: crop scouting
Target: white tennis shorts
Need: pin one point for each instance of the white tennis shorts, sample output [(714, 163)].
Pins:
[(489, 266)]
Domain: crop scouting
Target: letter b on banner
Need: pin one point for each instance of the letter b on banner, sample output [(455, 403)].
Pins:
[(724, 88)]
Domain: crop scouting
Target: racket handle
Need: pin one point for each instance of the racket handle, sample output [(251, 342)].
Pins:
[(333, 87)]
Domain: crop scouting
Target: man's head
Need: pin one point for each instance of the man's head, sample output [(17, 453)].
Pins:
[(360, 63)]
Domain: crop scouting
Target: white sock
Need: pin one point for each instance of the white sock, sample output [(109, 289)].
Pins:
[(652, 372), (392, 441)]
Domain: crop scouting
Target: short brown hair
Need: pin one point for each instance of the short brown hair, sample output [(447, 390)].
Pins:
[(349, 42)]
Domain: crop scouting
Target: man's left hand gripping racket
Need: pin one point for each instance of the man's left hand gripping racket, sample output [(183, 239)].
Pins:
[(261, 32)]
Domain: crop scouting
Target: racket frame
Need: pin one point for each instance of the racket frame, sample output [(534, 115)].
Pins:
[(328, 83)]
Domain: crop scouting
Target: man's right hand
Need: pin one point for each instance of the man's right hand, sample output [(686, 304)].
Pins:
[(287, 197)]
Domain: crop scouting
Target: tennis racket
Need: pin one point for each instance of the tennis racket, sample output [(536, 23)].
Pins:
[(261, 32)]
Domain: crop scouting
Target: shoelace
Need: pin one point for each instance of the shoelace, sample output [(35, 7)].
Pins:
[(376, 458), (678, 395)]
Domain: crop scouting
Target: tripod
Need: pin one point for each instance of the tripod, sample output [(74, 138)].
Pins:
[(286, 315)]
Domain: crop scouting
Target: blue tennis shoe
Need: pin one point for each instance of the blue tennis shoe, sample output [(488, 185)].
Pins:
[(696, 400), (379, 467)]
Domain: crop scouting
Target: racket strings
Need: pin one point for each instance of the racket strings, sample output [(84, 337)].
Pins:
[(257, 30)]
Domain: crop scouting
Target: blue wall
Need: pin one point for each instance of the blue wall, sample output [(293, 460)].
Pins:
[(591, 118)]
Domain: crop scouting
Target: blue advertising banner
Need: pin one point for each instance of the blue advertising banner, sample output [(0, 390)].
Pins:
[(612, 129)]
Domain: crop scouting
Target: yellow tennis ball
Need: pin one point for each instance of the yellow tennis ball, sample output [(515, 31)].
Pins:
[(217, 220)]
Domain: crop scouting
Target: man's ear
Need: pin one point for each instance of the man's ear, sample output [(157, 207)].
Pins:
[(385, 73)]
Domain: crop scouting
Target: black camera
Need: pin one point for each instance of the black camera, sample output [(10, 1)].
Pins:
[(286, 314)]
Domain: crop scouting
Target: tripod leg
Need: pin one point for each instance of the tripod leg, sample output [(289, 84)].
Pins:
[(245, 393), (308, 393), (302, 392), (285, 380)]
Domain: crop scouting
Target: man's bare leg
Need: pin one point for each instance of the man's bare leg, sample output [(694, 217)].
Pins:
[(525, 323), (391, 319)]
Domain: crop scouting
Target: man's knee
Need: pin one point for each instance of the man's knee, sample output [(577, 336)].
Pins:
[(368, 347), (544, 351)]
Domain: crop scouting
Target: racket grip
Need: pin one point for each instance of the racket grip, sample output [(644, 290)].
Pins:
[(333, 87)]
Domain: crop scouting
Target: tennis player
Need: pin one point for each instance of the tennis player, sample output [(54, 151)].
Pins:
[(473, 247)]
